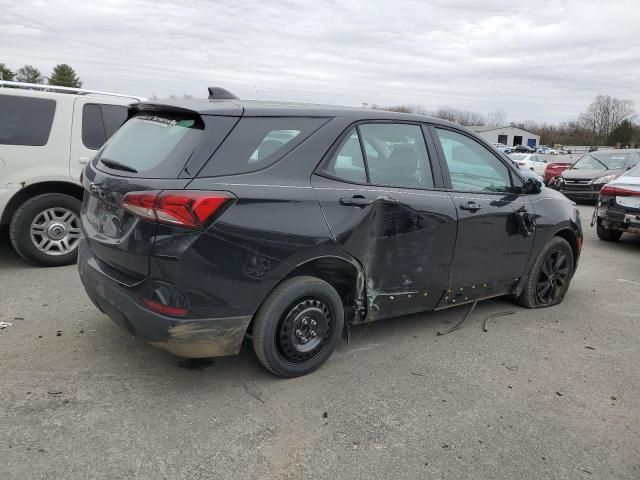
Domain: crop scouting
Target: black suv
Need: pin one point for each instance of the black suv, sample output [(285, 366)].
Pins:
[(207, 221)]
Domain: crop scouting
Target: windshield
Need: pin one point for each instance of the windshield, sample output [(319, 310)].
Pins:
[(518, 156), (603, 161), (148, 142)]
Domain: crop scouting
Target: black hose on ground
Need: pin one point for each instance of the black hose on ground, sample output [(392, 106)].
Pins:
[(457, 325)]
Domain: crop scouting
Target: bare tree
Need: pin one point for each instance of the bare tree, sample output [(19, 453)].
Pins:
[(408, 108), (497, 118), (463, 117), (605, 114)]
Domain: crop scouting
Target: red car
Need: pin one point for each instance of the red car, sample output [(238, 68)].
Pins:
[(554, 169)]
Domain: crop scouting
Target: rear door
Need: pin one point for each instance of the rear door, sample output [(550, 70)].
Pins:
[(93, 124), (492, 246), (381, 196)]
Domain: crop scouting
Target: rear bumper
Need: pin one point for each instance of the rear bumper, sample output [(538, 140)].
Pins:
[(191, 338), (623, 221)]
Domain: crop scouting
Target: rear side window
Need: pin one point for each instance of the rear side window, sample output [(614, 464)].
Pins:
[(156, 145), (25, 120), (99, 122), (258, 142), (113, 117), (396, 155)]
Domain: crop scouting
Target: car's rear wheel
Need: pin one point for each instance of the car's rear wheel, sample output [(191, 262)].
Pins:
[(298, 326), (549, 277), (607, 234), (45, 230)]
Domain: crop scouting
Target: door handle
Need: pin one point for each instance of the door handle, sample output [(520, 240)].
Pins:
[(470, 206), (83, 160), (356, 201)]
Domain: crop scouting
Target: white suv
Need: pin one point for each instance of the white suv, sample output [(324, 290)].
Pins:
[(47, 135)]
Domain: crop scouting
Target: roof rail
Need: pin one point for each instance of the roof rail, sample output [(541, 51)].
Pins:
[(55, 88)]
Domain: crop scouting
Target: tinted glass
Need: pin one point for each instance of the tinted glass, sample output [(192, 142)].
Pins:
[(348, 163), (471, 166), (396, 155), (93, 135), (113, 117), (25, 121), (258, 142), (149, 141)]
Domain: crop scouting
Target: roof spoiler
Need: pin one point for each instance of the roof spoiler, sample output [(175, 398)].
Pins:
[(218, 93)]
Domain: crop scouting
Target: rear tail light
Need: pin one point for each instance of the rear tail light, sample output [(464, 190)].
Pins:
[(184, 208), (613, 191)]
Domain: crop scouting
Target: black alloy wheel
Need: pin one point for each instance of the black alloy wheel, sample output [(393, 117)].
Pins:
[(549, 277), (553, 276)]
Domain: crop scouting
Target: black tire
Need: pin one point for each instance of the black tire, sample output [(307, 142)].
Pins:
[(534, 294), (275, 340), (25, 243), (607, 234)]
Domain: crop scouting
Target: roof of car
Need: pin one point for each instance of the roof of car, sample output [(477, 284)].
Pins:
[(256, 108)]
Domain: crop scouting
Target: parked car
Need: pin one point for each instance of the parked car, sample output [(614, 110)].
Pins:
[(590, 173), (503, 148), (200, 229), (554, 169), (47, 135), (530, 161), (523, 149), (618, 207), (543, 149)]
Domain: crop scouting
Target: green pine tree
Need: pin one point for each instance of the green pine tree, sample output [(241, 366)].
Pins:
[(5, 73), (64, 76)]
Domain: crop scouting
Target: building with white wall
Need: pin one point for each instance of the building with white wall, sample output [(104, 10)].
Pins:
[(511, 136)]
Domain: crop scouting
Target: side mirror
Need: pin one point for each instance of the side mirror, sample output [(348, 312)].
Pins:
[(531, 186)]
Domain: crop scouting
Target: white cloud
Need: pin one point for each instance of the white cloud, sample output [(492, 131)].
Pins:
[(542, 60)]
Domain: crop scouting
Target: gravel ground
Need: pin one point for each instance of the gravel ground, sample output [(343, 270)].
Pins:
[(551, 393)]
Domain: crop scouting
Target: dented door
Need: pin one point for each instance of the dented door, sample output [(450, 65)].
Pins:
[(495, 228), (404, 239)]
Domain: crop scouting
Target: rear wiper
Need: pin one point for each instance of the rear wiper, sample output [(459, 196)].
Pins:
[(117, 165)]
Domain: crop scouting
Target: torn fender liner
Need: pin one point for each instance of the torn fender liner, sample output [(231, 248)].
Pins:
[(202, 339)]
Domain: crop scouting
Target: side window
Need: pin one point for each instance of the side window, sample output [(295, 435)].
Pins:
[(25, 120), (396, 155), (93, 135), (113, 116), (258, 142), (348, 163), (471, 166), (99, 122)]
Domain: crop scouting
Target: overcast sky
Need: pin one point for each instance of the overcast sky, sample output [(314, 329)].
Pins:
[(534, 59)]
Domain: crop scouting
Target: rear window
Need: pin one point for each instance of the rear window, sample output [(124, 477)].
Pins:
[(258, 142), (25, 120), (153, 145)]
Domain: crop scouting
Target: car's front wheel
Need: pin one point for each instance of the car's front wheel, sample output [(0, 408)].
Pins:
[(607, 234), (549, 277), (298, 326), (45, 230)]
